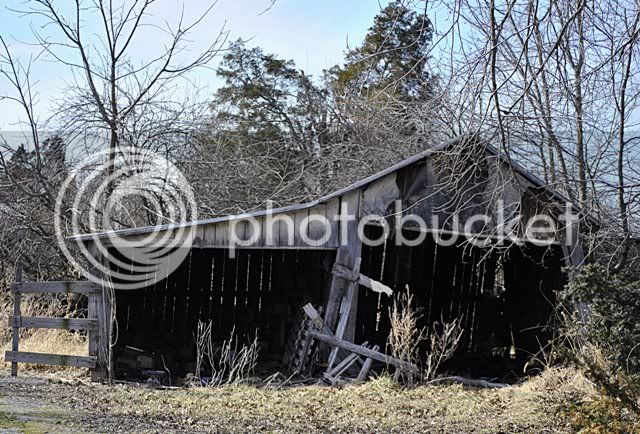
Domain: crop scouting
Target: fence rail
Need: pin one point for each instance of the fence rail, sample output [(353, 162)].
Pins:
[(59, 287), (50, 359), (92, 325), (39, 322)]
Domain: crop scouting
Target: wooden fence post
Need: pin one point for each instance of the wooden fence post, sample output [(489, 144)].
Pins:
[(100, 308), (15, 331), (94, 335)]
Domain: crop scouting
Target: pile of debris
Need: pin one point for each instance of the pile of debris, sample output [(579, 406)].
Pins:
[(135, 363), (315, 340)]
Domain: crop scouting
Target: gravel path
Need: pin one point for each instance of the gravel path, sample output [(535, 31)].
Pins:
[(30, 404)]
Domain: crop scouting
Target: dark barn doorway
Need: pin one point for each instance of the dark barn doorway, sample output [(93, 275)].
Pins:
[(256, 293), (503, 298)]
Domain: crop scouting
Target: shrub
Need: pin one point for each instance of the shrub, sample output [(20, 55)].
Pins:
[(600, 314), (611, 312)]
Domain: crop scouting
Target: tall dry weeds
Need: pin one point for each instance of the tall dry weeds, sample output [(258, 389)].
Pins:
[(405, 336), (232, 363), (444, 338)]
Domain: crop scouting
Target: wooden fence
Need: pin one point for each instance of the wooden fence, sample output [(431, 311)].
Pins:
[(93, 325)]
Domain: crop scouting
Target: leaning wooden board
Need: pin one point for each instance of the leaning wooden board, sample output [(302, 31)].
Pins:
[(367, 352)]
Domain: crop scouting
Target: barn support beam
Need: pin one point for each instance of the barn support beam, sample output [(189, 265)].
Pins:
[(99, 308), (15, 333), (574, 257), (342, 303)]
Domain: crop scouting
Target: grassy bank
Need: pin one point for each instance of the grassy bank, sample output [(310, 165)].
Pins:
[(560, 400)]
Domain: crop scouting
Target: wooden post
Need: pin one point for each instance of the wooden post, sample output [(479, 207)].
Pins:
[(346, 256), (99, 307), (343, 295), (100, 339), (15, 331), (574, 257), (93, 335), (104, 333)]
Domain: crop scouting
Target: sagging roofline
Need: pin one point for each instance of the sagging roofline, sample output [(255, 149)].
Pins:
[(529, 176)]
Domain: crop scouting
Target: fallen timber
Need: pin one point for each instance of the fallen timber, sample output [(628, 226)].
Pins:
[(366, 352)]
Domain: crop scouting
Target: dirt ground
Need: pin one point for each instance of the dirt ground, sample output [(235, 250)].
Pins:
[(69, 403)]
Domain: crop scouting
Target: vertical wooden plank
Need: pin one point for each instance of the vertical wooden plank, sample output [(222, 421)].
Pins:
[(93, 335), (102, 340), (348, 255), (15, 332), (194, 288), (228, 310), (260, 238), (264, 314), (178, 289), (256, 259), (332, 213), (300, 220), (217, 287), (199, 236), (103, 336), (319, 227), (275, 302), (208, 236), (221, 234), (241, 317), (373, 268), (206, 299)]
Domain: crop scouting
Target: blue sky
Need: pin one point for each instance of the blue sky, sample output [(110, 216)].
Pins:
[(312, 33)]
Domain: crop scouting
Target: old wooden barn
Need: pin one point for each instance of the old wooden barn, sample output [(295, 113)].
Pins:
[(252, 275)]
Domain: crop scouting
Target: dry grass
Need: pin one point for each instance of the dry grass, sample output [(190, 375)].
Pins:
[(43, 340), (405, 335), (52, 342), (377, 406), (558, 400)]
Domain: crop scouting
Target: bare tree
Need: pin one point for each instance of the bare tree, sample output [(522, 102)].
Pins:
[(115, 99), (114, 92), (556, 84)]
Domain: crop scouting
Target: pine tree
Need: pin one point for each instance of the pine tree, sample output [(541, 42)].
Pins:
[(266, 99), (392, 60)]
